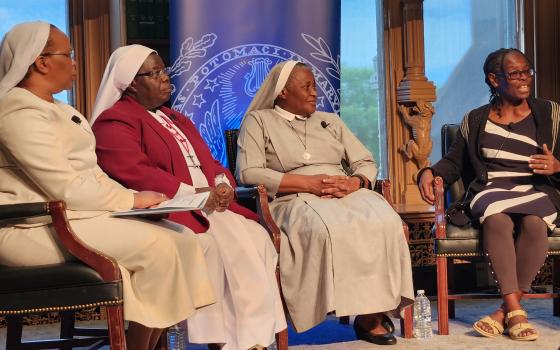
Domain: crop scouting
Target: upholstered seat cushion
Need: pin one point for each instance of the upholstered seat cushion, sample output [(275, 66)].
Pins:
[(464, 241), (462, 232), (54, 286)]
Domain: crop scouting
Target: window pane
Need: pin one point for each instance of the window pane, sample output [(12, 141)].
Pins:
[(360, 90), (52, 11), (459, 34)]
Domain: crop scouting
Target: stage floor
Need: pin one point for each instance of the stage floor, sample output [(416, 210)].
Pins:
[(330, 335)]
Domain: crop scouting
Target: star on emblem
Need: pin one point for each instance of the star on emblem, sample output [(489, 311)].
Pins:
[(198, 100), (211, 84)]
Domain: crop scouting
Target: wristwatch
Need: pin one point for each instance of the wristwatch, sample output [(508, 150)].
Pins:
[(362, 180)]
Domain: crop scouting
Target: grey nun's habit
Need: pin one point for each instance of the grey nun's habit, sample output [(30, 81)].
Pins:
[(347, 255)]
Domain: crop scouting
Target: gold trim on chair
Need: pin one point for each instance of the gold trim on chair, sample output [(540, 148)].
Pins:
[(457, 255), (61, 308)]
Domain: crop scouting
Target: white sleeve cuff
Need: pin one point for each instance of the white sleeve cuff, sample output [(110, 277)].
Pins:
[(222, 178)]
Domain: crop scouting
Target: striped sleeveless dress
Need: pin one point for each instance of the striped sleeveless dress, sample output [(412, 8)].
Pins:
[(506, 150)]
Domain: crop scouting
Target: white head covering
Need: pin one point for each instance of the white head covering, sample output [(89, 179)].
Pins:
[(19, 49), (272, 86), (121, 69)]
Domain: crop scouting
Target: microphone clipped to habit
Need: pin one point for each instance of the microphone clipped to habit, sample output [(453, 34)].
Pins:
[(324, 124)]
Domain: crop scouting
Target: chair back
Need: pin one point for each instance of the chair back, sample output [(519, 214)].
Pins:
[(231, 148), (456, 190), (63, 287)]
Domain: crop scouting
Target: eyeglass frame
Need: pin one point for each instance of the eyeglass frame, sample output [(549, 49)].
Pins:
[(155, 74), (527, 72), (70, 54)]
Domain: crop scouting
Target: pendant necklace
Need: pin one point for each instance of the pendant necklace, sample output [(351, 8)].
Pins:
[(306, 155), (173, 130)]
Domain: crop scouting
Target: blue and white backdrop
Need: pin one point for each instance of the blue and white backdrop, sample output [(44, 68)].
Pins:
[(222, 50)]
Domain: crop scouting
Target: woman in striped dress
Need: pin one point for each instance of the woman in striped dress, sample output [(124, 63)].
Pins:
[(508, 152)]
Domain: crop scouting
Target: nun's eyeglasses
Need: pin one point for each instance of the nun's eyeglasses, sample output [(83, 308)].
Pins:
[(155, 73), (70, 54)]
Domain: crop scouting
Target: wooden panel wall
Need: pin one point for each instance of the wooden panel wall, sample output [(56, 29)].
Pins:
[(90, 35), (542, 45)]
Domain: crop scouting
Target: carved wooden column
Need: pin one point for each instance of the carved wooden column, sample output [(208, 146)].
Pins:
[(409, 97)]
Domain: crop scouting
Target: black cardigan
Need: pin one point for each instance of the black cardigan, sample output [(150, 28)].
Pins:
[(464, 159)]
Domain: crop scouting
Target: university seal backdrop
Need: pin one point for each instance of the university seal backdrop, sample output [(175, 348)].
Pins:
[(220, 58)]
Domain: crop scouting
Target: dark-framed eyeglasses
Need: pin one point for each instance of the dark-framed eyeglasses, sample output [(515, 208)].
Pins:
[(517, 74), (155, 74), (70, 54)]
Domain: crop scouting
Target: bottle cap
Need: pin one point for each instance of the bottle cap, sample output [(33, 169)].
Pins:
[(420, 291)]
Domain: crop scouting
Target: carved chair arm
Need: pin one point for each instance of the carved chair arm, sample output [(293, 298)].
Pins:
[(104, 265), (439, 208), (383, 187)]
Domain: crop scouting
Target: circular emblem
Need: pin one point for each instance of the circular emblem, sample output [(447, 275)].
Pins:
[(216, 95)]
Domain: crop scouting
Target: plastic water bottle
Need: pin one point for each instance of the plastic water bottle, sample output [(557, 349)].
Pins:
[(176, 337), (422, 325)]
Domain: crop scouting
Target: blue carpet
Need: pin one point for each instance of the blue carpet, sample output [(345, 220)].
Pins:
[(329, 331)]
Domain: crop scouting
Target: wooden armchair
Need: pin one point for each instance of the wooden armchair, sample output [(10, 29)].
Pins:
[(465, 243), (260, 195), (92, 280)]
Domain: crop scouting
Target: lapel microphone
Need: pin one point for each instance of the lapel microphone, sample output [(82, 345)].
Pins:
[(510, 126), (324, 124), (76, 119)]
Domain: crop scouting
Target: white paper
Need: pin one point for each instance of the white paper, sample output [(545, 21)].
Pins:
[(178, 203)]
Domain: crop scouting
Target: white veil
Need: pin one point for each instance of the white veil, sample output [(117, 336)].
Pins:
[(121, 69), (18, 50), (272, 86)]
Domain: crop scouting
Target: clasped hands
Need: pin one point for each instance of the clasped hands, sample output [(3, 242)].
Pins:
[(220, 198), (333, 186)]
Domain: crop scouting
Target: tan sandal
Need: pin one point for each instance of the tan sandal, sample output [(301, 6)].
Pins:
[(515, 330), (497, 328)]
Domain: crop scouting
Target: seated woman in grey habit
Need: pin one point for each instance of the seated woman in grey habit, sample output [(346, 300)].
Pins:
[(344, 249)]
